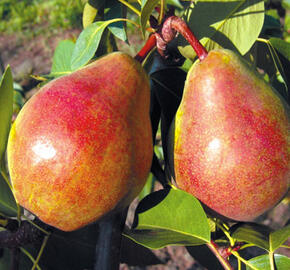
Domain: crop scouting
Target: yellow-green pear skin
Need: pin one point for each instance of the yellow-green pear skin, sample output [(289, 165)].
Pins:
[(82, 146), (230, 138)]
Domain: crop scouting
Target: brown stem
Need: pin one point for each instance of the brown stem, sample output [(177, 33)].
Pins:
[(149, 45), (215, 250), (181, 27)]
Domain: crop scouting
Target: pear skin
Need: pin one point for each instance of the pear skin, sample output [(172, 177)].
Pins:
[(82, 146), (230, 138)]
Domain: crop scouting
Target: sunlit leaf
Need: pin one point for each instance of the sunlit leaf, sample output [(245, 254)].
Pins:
[(147, 8), (6, 108), (89, 14), (230, 24), (147, 189), (170, 217), (61, 62), (88, 42), (263, 262)]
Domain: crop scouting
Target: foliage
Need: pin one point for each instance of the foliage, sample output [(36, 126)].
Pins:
[(168, 216), (16, 16)]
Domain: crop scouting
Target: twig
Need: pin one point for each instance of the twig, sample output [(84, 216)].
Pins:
[(215, 250)]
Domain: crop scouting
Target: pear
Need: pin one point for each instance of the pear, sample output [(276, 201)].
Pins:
[(82, 146), (230, 138)]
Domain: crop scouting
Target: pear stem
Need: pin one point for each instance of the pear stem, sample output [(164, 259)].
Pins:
[(146, 49), (181, 27), (171, 24)]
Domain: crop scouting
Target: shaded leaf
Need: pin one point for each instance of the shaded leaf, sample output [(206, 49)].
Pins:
[(5, 259), (252, 233), (98, 4), (137, 255), (6, 108), (115, 11), (263, 57), (261, 235), (169, 217), (281, 46), (225, 24), (8, 205), (271, 27), (175, 3), (263, 262), (168, 86), (61, 61)]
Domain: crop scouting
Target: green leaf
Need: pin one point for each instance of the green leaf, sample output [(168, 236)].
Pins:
[(147, 8), (263, 263), (134, 254), (281, 46), (6, 108), (147, 189), (8, 205), (278, 237), (61, 62), (261, 235), (252, 233), (271, 27), (175, 3), (230, 24), (88, 42), (98, 4), (115, 11), (169, 217), (89, 14)]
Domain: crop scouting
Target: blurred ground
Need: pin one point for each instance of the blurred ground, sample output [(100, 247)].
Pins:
[(28, 56)]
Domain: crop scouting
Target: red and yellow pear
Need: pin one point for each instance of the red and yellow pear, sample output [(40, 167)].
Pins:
[(82, 146), (230, 138)]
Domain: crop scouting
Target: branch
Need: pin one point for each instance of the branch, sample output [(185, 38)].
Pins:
[(109, 241), (220, 256)]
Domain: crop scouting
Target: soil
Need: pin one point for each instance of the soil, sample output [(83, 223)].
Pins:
[(28, 56), (31, 55)]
